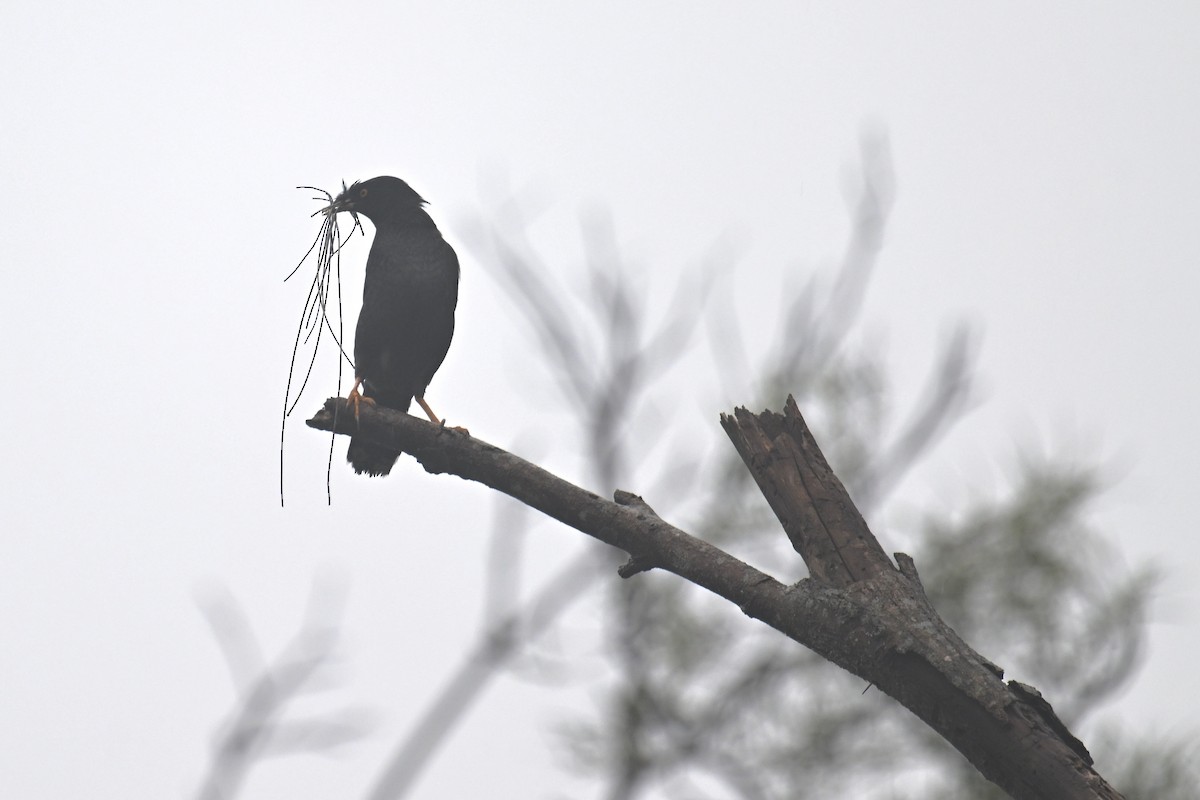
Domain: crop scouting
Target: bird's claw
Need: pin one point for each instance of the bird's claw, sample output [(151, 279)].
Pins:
[(455, 428), (356, 399)]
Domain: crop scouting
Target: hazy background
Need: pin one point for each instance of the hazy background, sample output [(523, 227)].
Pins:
[(1048, 189)]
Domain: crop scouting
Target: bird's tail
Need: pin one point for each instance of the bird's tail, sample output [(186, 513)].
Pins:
[(373, 459)]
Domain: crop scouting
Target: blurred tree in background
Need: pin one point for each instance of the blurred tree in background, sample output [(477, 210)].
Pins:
[(697, 701)]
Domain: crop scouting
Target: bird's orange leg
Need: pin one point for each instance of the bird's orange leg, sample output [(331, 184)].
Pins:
[(428, 411), (434, 418), (354, 399)]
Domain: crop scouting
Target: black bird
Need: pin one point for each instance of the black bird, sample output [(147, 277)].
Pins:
[(407, 319)]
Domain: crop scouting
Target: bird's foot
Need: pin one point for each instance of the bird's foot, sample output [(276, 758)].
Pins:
[(356, 399), (441, 423), (455, 428)]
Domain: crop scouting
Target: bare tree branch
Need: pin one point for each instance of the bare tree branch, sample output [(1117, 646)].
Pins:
[(858, 611)]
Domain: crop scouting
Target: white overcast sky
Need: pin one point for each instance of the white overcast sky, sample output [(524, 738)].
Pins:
[(1048, 190)]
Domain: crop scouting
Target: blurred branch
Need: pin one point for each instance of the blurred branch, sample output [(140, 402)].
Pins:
[(500, 641), (256, 727), (858, 611), (815, 328), (947, 394)]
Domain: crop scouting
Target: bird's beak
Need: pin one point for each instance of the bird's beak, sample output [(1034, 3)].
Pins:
[(340, 204)]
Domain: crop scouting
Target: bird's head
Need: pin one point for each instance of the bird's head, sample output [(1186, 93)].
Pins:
[(377, 199)]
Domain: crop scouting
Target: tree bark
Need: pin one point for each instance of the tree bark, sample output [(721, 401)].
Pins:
[(858, 610)]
